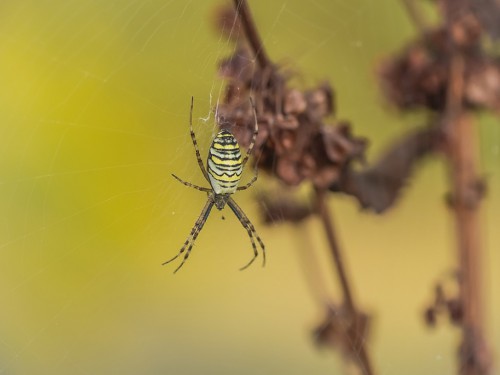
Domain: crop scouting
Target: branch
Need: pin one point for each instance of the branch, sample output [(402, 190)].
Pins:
[(475, 357), (355, 329), (251, 33)]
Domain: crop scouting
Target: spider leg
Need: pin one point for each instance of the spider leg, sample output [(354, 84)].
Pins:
[(186, 256), (254, 136), (254, 178), (245, 222), (255, 253), (252, 228), (191, 185), (195, 144), (198, 226)]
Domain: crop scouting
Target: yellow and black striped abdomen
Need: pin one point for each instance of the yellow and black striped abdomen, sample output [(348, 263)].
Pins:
[(224, 163)]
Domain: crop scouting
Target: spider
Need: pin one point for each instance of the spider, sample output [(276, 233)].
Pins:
[(223, 172)]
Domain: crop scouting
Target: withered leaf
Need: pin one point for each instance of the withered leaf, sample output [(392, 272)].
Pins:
[(378, 186)]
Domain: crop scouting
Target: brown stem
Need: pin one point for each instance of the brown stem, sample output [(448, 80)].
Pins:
[(251, 33), (326, 220), (466, 192), (474, 354), (324, 214)]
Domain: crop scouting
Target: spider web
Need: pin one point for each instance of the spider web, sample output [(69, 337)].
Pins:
[(94, 109)]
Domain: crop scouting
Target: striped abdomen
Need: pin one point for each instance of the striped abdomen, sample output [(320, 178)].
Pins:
[(224, 163)]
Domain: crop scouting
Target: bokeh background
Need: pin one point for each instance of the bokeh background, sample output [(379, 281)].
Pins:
[(94, 106)]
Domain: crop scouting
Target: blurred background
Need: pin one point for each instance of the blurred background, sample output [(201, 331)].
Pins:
[(94, 109)]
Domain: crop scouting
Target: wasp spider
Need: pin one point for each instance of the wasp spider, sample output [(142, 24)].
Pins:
[(223, 172)]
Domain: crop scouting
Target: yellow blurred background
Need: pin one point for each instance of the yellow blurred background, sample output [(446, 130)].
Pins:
[(94, 108)]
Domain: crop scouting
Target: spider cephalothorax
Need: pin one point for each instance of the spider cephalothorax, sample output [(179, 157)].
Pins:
[(223, 172), (219, 200)]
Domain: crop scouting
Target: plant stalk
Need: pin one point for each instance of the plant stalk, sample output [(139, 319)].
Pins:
[(361, 354), (467, 191)]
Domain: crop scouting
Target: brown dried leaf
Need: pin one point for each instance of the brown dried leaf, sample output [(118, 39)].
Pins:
[(295, 102), (340, 331), (320, 101), (483, 85), (377, 186)]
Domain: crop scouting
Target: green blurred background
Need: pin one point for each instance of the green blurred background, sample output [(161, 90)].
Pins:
[(94, 106)]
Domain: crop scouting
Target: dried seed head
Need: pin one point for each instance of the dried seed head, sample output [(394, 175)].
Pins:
[(293, 143), (419, 76)]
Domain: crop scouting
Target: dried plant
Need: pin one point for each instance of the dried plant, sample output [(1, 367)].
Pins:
[(447, 72)]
